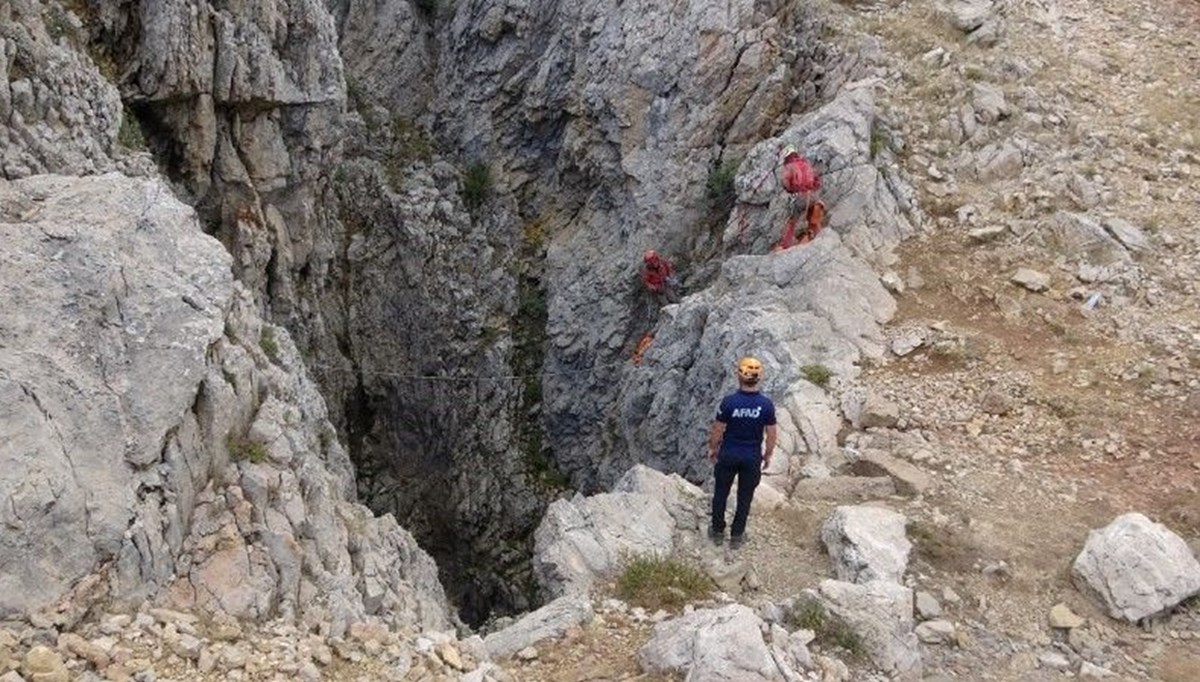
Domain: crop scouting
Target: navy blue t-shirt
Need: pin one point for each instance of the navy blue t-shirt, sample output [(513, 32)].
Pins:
[(745, 415)]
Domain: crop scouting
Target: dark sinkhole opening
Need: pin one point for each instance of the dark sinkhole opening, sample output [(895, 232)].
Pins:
[(456, 452)]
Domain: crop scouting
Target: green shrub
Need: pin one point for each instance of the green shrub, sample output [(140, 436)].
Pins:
[(477, 184), (409, 143), (654, 582), (57, 22), (817, 374), (242, 449), (268, 344), (720, 185), (831, 630), (878, 140), (130, 134)]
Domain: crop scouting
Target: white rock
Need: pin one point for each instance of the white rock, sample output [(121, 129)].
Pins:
[(935, 631), (1031, 279), (1063, 618), (583, 540), (552, 620), (1136, 568), (529, 653), (1130, 236), (987, 233), (866, 543), (1089, 670), (881, 613), (927, 606), (907, 343), (712, 644), (1054, 660)]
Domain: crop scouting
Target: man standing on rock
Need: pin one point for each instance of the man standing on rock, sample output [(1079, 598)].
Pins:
[(735, 446)]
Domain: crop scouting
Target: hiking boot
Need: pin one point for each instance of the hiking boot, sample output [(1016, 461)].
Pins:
[(736, 541), (717, 536)]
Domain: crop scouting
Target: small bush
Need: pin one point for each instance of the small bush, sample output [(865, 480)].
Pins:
[(654, 583), (409, 144), (878, 140), (268, 344), (130, 134), (720, 185), (831, 630), (58, 23), (817, 374), (477, 184), (242, 449)]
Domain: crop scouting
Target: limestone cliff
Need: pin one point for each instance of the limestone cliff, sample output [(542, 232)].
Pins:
[(162, 436)]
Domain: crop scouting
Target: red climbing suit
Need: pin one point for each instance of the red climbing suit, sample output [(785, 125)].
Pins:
[(656, 270), (799, 178), (798, 174), (814, 218)]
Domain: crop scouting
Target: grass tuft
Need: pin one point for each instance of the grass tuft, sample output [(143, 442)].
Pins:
[(477, 184), (878, 141), (831, 630), (130, 135), (817, 374), (242, 449), (653, 582), (269, 344)]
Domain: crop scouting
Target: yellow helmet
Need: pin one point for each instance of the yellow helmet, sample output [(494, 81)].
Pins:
[(749, 370), (787, 151)]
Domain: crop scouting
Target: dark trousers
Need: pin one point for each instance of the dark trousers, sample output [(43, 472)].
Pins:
[(748, 472)]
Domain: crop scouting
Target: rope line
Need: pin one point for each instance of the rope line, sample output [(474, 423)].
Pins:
[(470, 378)]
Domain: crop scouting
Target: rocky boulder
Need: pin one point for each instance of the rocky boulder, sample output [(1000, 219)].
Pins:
[(583, 540), (1136, 568), (866, 544), (685, 502), (551, 620), (716, 645), (881, 613)]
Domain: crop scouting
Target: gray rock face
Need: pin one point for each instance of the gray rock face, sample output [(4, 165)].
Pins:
[(1136, 568), (816, 305), (582, 540), (712, 645), (866, 544), (551, 620), (659, 108), (106, 281), (881, 614), (218, 484), (59, 113)]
